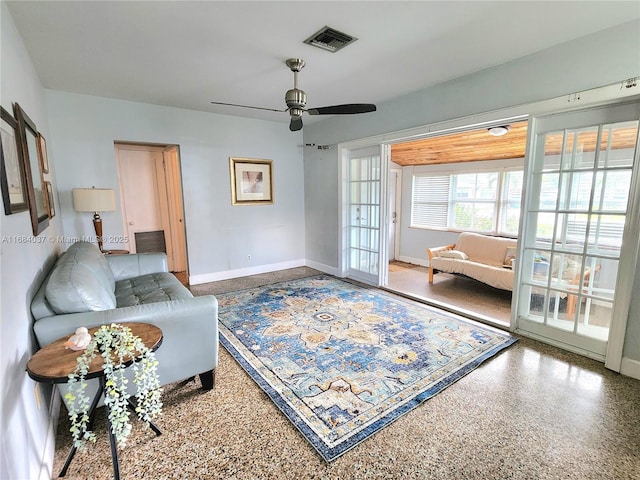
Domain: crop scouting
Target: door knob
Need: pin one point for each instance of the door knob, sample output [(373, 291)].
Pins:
[(130, 223)]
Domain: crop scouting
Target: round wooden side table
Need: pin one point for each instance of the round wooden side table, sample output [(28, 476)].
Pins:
[(54, 362)]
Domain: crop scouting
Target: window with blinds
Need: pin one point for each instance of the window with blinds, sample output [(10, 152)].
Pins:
[(430, 202), (484, 202)]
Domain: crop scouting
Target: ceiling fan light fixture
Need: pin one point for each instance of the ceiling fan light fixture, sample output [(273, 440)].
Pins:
[(499, 130), (296, 100)]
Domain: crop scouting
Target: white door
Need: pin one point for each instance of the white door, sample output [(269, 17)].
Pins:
[(365, 214), (577, 232), (395, 189), (138, 171)]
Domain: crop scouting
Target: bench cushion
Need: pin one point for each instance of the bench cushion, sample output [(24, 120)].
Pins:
[(485, 249), (150, 288)]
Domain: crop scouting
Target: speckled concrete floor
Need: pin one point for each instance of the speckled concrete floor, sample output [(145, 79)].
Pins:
[(531, 412)]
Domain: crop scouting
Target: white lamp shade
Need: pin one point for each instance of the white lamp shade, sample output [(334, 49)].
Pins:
[(94, 200)]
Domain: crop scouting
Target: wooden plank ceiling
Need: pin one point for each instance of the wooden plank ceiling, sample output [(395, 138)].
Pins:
[(476, 145), (470, 146)]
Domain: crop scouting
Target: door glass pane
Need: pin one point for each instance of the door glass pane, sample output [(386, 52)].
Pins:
[(552, 152), (605, 234), (583, 154), (510, 217), (612, 190), (354, 258), (571, 231), (364, 192), (544, 222), (579, 191), (354, 217), (618, 143), (548, 193), (354, 194)]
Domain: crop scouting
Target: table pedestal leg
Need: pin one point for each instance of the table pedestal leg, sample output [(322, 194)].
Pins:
[(92, 412), (112, 438), (132, 407), (113, 443)]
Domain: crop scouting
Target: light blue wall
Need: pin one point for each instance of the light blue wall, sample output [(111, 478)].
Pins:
[(219, 235), (26, 428), (596, 60)]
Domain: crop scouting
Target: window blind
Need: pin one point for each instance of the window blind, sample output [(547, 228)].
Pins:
[(430, 205)]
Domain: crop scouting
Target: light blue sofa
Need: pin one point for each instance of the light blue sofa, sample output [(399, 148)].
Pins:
[(85, 288)]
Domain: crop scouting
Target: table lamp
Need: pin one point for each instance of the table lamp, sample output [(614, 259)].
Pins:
[(94, 200)]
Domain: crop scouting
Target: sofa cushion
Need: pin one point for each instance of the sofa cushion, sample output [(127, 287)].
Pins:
[(497, 277), (484, 249), (453, 254), (449, 265), (150, 288), (75, 287), (91, 256)]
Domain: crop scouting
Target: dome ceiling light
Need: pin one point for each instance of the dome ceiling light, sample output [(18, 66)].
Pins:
[(499, 130)]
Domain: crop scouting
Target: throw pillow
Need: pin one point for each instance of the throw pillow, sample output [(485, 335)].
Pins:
[(510, 256), (453, 254)]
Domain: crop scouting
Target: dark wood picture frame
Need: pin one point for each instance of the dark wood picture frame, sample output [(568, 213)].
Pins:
[(12, 177), (251, 181), (36, 190)]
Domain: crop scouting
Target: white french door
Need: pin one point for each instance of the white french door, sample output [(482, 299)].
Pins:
[(578, 236), (365, 174)]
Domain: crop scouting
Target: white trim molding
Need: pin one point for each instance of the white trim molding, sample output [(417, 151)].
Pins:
[(630, 368), (322, 267), (243, 272)]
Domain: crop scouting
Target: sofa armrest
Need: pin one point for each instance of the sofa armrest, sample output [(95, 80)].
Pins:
[(134, 265), (433, 252)]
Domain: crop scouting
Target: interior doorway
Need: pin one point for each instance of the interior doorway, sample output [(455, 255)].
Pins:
[(447, 170), (151, 198)]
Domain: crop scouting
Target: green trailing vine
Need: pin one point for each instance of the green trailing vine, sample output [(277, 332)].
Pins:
[(116, 344)]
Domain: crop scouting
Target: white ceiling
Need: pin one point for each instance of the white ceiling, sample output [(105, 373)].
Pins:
[(186, 54)]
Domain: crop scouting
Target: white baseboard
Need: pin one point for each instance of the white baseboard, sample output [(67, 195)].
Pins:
[(322, 267), (273, 267), (243, 272), (630, 368), (423, 262)]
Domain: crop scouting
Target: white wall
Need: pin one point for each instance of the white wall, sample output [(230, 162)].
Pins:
[(219, 235), (27, 430), (596, 60)]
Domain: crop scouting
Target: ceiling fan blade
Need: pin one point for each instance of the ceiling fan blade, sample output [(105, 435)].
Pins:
[(347, 109), (296, 124), (248, 106)]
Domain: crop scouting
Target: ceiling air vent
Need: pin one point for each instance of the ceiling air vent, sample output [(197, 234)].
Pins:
[(329, 39)]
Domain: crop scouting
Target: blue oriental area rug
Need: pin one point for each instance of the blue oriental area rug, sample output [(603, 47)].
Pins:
[(343, 361)]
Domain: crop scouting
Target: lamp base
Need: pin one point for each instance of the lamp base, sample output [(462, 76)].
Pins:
[(97, 225)]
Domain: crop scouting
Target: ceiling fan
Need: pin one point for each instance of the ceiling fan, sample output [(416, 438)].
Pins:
[(296, 101)]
